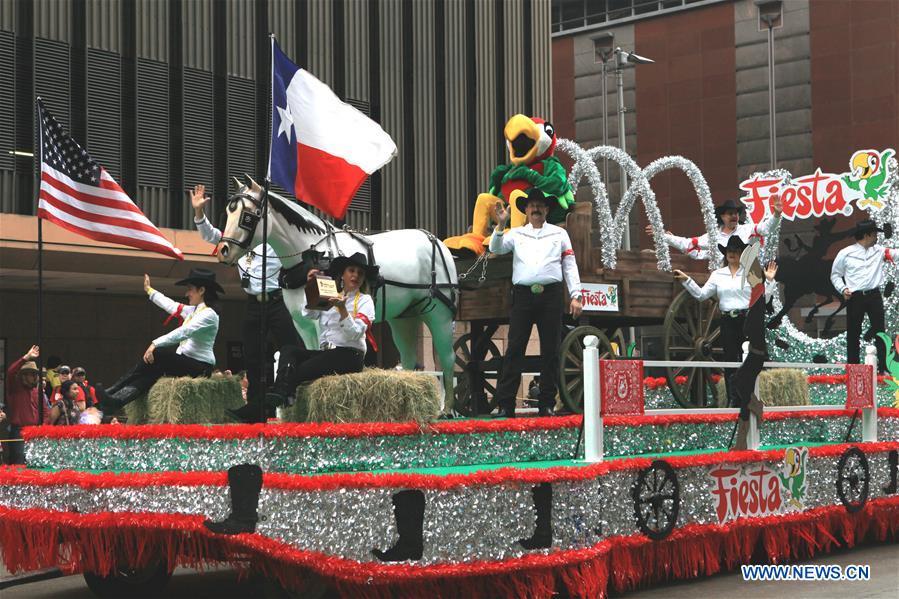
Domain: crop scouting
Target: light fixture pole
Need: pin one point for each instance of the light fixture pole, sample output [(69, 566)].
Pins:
[(602, 52), (771, 18), (623, 58)]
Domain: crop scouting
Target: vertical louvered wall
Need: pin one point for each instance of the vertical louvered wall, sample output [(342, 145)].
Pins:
[(7, 115), (458, 145), (541, 59), (198, 109), (392, 102), (489, 132), (423, 58), (104, 109), (321, 40), (465, 132), (103, 29)]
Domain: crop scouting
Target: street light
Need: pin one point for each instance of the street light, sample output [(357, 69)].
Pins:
[(771, 18), (602, 52), (623, 58)]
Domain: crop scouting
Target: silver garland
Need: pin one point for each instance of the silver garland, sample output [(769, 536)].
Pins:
[(703, 193), (461, 524), (611, 227)]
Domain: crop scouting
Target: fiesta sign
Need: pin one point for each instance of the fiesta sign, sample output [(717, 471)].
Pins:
[(824, 194), (599, 298), (758, 490)]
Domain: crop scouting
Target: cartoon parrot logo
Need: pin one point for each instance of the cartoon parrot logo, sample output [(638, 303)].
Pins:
[(793, 476), (868, 174), (892, 364)]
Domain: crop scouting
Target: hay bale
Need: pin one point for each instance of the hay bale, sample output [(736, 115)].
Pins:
[(784, 387), (778, 386), (186, 400), (373, 395)]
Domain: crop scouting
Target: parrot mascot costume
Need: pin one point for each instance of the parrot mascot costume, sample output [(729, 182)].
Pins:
[(531, 143)]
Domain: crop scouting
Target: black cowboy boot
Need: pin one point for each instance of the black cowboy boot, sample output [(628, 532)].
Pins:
[(285, 386), (409, 511), (111, 402), (245, 483), (252, 412), (543, 531)]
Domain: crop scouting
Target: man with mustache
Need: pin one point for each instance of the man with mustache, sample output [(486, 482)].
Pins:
[(542, 258)]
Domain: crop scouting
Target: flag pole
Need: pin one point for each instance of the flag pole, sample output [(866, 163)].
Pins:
[(35, 165), (263, 312)]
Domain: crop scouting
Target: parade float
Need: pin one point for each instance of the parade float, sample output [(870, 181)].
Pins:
[(630, 493)]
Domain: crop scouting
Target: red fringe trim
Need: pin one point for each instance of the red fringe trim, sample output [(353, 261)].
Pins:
[(366, 480), (33, 539), (380, 429)]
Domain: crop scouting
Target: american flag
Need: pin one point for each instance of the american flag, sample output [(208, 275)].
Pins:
[(79, 195)]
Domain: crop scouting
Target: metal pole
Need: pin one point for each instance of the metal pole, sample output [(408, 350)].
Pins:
[(771, 110), (622, 142), (605, 119)]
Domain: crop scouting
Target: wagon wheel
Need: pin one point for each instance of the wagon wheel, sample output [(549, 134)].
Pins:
[(571, 365), (691, 330), (656, 495), (853, 479), (463, 396)]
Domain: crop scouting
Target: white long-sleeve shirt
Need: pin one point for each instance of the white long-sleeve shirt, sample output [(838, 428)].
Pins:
[(541, 256), (349, 332), (858, 268), (195, 337), (272, 263), (698, 247), (731, 294)]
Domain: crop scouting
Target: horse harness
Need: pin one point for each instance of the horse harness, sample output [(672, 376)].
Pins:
[(295, 276)]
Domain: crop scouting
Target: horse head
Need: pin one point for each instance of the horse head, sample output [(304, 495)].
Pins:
[(243, 212)]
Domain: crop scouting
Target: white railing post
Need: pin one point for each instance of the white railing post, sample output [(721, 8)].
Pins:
[(593, 449), (869, 415)]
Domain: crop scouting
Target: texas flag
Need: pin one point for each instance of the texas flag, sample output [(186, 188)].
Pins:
[(322, 149)]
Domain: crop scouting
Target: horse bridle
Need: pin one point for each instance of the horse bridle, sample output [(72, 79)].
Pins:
[(249, 219)]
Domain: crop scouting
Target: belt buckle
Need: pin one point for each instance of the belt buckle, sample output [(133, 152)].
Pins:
[(536, 288), (326, 345)]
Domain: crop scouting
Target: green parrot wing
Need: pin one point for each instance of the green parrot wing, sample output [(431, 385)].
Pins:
[(873, 187), (497, 178), (851, 184)]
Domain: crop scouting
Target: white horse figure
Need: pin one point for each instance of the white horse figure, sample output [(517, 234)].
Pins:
[(418, 271)]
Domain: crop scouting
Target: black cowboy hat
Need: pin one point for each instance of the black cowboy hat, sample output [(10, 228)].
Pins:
[(359, 259), (535, 194), (734, 244), (201, 277), (730, 205), (866, 226)]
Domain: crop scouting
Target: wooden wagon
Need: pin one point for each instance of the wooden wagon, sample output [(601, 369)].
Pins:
[(645, 296)]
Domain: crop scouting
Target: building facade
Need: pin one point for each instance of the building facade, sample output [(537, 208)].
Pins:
[(166, 94), (706, 95)]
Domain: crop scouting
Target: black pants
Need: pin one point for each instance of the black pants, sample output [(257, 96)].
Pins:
[(528, 309), (165, 363), (732, 337), (298, 365), (856, 308), (742, 383), (277, 321)]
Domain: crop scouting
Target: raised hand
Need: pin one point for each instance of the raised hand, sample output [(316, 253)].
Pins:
[(147, 286), (771, 270), (502, 215), (778, 203), (198, 199), (33, 353)]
